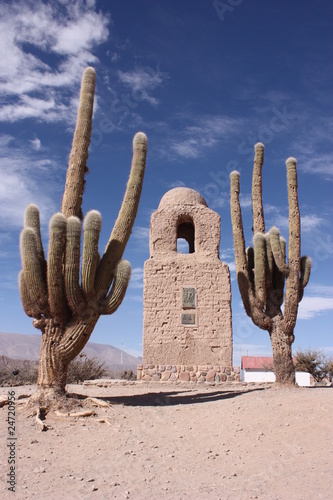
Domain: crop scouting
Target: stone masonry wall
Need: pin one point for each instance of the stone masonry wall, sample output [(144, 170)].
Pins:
[(188, 373), (186, 297), (166, 340)]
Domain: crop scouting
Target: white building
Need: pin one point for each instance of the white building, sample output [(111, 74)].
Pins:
[(260, 369)]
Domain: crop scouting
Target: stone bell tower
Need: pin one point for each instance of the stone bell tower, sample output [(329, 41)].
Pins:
[(187, 328)]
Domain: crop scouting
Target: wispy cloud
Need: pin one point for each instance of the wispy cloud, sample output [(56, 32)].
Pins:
[(19, 184), (141, 81), (314, 154), (136, 281), (31, 30), (309, 222), (310, 307), (140, 237), (193, 140)]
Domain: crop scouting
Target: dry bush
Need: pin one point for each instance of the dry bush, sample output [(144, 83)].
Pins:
[(328, 368), (128, 375), (85, 368), (313, 361), (15, 372)]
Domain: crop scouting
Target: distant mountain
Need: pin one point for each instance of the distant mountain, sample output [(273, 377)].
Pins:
[(19, 346)]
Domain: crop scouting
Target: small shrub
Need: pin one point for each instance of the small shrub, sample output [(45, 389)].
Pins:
[(85, 368), (311, 361), (15, 372), (328, 368), (128, 375)]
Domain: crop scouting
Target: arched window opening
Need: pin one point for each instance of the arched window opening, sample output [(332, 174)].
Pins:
[(185, 233)]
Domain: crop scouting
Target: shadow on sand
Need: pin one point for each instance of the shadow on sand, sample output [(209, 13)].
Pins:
[(173, 398)]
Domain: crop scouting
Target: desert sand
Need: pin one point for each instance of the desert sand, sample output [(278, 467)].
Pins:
[(169, 441)]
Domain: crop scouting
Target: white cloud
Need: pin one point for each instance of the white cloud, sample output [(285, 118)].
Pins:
[(314, 154), (194, 140), (310, 307), (318, 163), (250, 350), (245, 201), (36, 144), (136, 281), (29, 32), (21, 183), (140, 238), (308, 222), (316, 288), (142, 80)]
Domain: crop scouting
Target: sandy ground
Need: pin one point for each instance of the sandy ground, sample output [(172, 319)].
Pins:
[(178, 442)]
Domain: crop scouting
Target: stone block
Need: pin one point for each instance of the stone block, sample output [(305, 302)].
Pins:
[(203, 368), (210, 377), (230, 378), (165, 375), (156, 377), (184, 376), (223, 377)]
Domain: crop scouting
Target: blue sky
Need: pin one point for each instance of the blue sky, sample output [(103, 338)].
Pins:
[(205, 81)]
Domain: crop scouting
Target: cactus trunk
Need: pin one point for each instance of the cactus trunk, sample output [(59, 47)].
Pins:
[(52, 369), (284, 368)]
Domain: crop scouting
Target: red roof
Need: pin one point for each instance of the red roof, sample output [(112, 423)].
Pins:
[(256, 362)]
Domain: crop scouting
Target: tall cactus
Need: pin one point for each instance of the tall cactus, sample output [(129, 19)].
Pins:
[(65, 299), (262, 270)]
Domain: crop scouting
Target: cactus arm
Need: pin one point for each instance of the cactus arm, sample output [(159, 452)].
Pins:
[(125, 220), (239, 243), (117, 293), (241, 262), (33, 273), (72, 199), (74, 294), (270, 261), (279, 257), (77, 334), (32, 220), (90, 257), (304, 275), (80, 327), (259, 245), (257, 208), (294, 248), (55, 280), (250, 264), (29, 306)]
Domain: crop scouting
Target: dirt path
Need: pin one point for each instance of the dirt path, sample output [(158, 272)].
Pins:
[(179, 442)]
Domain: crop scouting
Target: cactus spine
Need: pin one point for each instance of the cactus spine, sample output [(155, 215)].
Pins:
[(262, 270), (64, 302)]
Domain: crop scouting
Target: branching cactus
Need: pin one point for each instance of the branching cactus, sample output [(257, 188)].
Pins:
[(65, 297), (263, 271)]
